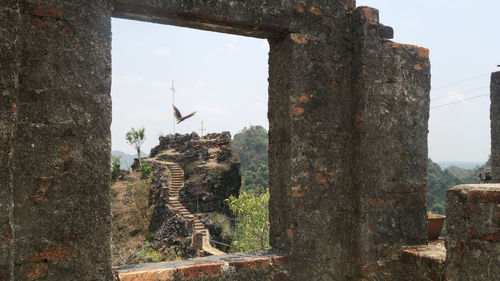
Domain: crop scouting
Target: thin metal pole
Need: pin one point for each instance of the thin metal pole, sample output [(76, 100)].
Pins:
[(173, 103), (202, 130)]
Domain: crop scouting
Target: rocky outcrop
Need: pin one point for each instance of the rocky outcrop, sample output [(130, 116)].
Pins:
[(211, 169), (211, 173)]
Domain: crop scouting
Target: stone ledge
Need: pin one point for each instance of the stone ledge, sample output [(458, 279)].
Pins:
[(258, 265), (425, 262)]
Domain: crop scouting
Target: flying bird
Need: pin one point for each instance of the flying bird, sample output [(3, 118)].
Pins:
[(179, 116)]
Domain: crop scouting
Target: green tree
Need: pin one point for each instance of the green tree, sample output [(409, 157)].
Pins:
[(252, 147), (136, 139), (252, 228)]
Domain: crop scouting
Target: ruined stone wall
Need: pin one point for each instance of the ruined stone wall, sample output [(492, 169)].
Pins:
[(473, 232), (391, 110), (258, 265), (347, 110), (55, 99), (9, 26), (495, 125)]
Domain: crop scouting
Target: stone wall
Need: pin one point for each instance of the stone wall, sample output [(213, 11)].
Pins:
[(56, 115), (495, 125), (473, 232), (260, 265), (347, 111), (390, 124)]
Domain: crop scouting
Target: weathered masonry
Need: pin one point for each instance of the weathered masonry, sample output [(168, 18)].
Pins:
[(495, 125), (348, 113)]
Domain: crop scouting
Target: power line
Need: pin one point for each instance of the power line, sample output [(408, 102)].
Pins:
[(460, 101), (461, 81), (461, 92)]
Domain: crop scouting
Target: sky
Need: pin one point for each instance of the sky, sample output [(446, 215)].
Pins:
[(224, 77)]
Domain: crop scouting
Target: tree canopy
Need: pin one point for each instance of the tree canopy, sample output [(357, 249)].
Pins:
[(252, 147)]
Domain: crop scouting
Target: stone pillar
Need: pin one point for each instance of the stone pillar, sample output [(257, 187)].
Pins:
[(313, 205), (56, 114), (9, 32), (473, 232), (495, 125), (391, 83)]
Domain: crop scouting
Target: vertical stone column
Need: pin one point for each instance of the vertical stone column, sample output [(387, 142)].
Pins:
[(9, 25), (59, 156), (495, 125), (391, 84), (473, 232), (313, 205)]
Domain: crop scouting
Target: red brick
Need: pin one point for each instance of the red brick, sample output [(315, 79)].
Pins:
[(56, 253), (484, 196), (423, 52), (305, 97), (64, 150), (36, 271), (369, 14), (299, 192), (320, 177), (197, 270), (492, 237), (150, 275), (315, 11), (14, 107), (251, 264), (38, 24), (43, 12), (298, 110), (281, 260), (300, 8), (298, 38), (417, 66)]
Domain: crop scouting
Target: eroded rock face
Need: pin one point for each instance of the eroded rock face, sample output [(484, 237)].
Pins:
[(211, 175)]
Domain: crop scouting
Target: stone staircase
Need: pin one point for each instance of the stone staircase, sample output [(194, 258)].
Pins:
[(175, 184)]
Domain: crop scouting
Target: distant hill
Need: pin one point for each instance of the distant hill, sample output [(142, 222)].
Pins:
[(126, 159), (252, 146), (459, 164)]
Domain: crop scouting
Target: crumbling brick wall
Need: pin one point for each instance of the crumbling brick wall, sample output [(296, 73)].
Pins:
[(495, 125), (348, 117), (473, 232)]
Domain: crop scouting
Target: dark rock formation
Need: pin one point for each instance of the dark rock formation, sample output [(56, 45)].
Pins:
[(211, 174)]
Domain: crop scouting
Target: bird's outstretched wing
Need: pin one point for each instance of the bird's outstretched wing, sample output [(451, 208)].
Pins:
[(179, 120), (177, 113)]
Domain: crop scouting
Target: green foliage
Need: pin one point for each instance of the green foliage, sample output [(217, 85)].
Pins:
[(252, 147), (438, 181), (252, 228), (148, 254), (116, 167), (145, 170), (136, 139)]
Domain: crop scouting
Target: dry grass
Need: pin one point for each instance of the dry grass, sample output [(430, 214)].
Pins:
[(129, 203)]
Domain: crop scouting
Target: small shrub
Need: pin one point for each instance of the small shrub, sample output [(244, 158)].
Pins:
[(145, 170), (116, 167), (148, 254), (252, 228)]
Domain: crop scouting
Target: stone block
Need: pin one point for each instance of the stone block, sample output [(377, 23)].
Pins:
[(473, 232)]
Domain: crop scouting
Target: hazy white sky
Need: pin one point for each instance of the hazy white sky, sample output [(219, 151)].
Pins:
[(224, 77)]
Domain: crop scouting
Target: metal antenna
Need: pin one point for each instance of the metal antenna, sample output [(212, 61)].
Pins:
[(202, 130), (173, 103)]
